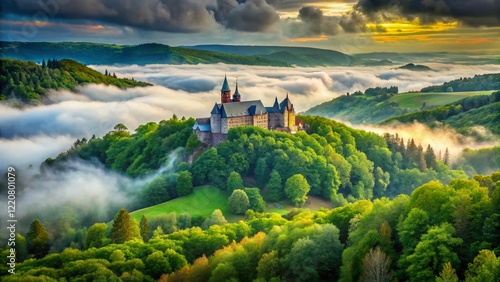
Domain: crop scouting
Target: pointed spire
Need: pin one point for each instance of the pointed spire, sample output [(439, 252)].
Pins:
[(276, 104), (225, 85), (236, 95), (236, 91)]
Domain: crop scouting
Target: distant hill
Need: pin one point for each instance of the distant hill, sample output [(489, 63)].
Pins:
[(29, 82), (301, 56), (98, 54), (413, 67)]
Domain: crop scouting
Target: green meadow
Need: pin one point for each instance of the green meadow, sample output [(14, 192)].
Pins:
[(415, 100), (202, 202)]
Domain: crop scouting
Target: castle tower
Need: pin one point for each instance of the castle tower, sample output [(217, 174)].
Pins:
[(236, 95), (225, 92)]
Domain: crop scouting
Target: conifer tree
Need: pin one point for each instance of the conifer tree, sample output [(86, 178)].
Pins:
[(144, 228), (122, 227), (44, 64), (37, 239), (446, 158), (420, 158), (430, 157)]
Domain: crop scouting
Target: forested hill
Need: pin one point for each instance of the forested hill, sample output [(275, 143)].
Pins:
[(390, 217), (30, 82), (463, 115), (476, 83), (109, 54), (300, 56)]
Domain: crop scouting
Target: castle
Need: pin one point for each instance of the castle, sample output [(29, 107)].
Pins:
[(232, 112)]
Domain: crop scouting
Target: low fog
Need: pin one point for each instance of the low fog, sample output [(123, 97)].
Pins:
[(30, 135), (439, 138), (85, 188)]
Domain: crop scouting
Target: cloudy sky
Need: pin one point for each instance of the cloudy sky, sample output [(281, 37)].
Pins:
[(351, 26)]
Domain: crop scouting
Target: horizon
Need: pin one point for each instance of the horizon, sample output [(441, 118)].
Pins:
[(347, 26)]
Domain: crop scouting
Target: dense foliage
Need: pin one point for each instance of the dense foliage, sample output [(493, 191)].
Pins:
[(438, 232), (478, 82), (332, 161), (30, 82), (150, 53)]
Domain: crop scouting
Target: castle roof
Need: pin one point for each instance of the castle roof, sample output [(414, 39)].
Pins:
[(275, 108), (246, 108), (215, 109), (286, 104), (225, 85), (203, 124)]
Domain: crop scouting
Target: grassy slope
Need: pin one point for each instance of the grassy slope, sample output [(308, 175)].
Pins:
[(414, 101), (205, 199), (202, 202)]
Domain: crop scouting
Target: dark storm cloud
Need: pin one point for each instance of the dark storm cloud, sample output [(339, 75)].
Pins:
[(317, 22), (353, 22), (296, 4), (470, 12), (253, 15), (160, 15)]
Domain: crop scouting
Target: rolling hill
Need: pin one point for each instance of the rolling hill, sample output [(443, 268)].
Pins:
[(465, 115), (99, 54), (378, 104), (300, 56)]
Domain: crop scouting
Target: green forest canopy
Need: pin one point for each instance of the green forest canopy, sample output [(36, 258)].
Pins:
[(30, 82), (359, 171)]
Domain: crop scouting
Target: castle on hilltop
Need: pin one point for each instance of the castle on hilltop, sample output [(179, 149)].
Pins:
[(232, 112)]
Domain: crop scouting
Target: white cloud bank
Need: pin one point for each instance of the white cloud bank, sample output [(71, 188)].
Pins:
[(32, 134)]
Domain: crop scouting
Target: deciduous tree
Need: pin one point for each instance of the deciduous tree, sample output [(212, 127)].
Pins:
[(184, 183), (296, 189), (238, 201), (234, 182)]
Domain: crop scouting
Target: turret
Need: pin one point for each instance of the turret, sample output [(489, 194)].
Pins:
[(236, 95), (225, 92)]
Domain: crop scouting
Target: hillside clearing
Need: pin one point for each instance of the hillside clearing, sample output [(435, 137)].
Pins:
[(202, 202), (415, 100), (205, 199)]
